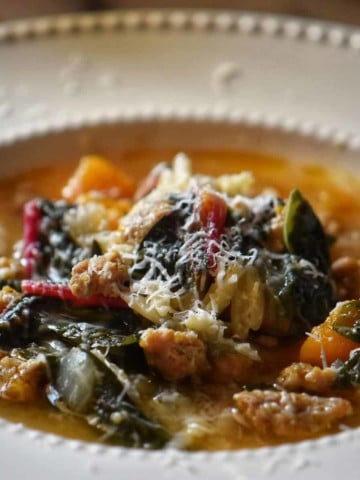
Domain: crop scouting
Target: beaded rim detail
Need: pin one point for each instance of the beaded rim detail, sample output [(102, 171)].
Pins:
[(334, 36), (243, 23)]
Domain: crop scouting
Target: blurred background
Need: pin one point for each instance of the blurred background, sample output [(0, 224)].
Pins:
[(338, 10)]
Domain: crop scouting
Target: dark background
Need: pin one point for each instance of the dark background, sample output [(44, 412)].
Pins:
[(338, 10)]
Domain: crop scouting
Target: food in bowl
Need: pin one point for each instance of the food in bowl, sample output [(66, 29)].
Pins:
[(189, 310)]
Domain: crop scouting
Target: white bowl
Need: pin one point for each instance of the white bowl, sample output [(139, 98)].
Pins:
[(165, 79)]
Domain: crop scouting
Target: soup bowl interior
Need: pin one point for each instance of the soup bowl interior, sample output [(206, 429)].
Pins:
[(148, 142), (163, 139)]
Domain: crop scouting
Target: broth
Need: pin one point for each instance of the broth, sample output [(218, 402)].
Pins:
[(333, 194)]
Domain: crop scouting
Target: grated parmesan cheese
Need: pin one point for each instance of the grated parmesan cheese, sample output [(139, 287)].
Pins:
[(232, 185), (171, 280), (177, 178), (85, 219)]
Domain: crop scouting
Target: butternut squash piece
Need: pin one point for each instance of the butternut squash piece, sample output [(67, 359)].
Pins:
[(98, 174), (325, 343)]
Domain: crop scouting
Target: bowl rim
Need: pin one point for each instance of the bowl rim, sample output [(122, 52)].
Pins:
[(213, 21), (244, 23)]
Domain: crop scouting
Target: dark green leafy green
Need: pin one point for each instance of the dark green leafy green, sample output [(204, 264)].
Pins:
[(298, 289), (111, 331), (19, 324), (302, 296), (88, 336), (349, 332), (89, 385), (163, 243), (25, 320), (348, 373), (303, 233), (102, 400), (121, 349), (58, 252), (347, 319)]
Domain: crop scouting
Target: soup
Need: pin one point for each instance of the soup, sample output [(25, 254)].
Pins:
[(205, 304)]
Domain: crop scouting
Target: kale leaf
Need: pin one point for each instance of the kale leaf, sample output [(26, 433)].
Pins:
[(348, 373), (304, 234), (302, 295), (159, 250), (19, 324), (57, 250)]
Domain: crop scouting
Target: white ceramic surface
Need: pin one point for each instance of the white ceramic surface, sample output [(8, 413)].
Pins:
[(272, 84)]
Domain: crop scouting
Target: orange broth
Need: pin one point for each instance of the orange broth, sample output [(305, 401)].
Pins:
[(333, 194)]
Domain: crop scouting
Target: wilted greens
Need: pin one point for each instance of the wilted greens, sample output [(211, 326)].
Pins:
[(80, 383)]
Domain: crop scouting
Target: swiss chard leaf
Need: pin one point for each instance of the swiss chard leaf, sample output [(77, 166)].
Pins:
[(32, 317), (124, 321), (121, 349), (303, 233), (88, 336), (103, 400), (89, 386)]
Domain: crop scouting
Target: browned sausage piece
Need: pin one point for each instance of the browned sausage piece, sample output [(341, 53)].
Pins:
[(99, 275), (20, 380), (287, 414), (303, 377), (175, 354)]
